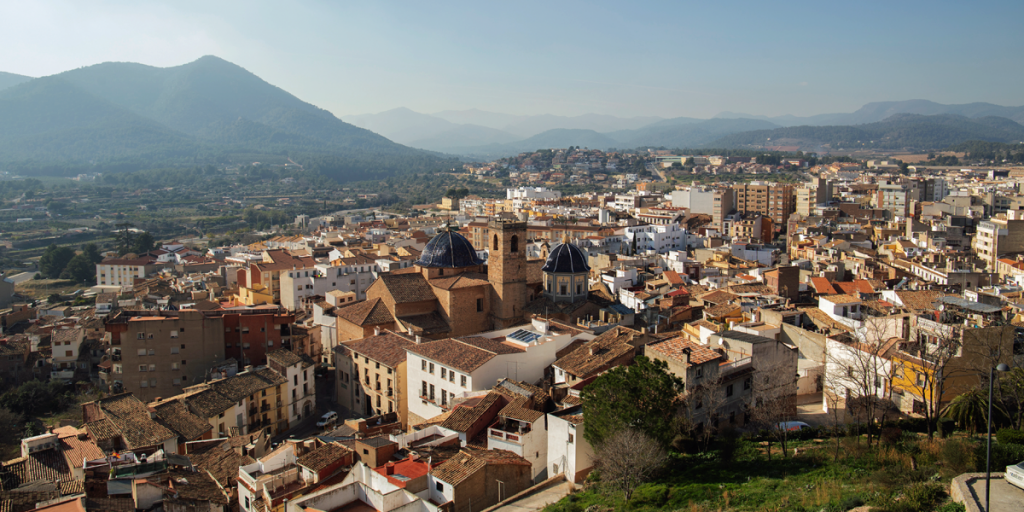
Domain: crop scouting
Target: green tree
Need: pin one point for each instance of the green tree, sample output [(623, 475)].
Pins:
[(92, 253), (643, 397), (54, 259), (79, 269), (34, 398), (143, 243)]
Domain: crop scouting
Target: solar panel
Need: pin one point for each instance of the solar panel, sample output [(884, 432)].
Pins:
[(524, 336)]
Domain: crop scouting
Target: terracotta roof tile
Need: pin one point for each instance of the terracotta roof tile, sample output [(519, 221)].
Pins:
[(323, 456), (131, 420), (597, 355), (368, 312), (464, 354), (407, 287), (174, 414), (387, 348), (677, 349), (460, 467)]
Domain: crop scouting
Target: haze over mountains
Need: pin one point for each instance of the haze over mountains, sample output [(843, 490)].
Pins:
[(482, 134), (125, 116)]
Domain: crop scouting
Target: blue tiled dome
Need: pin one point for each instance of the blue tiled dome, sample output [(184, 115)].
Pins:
[(566, 258), (448, 249)]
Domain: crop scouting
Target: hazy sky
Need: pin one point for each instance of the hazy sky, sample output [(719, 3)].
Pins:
[(669, 58)]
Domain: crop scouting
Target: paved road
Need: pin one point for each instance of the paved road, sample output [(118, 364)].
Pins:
[(22, 277), (538, 500)]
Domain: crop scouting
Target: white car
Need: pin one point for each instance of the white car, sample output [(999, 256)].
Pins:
[(328, 419), (793, 425)]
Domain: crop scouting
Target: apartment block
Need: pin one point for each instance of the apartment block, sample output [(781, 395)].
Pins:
[(774, 200)]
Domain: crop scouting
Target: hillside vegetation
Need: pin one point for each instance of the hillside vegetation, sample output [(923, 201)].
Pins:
[(900, 131), (122, 116)]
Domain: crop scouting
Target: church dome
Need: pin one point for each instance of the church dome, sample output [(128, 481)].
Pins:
[(449, 249), (566, 258)]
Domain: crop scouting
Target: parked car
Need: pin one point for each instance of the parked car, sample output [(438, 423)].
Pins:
[(328, 419), (793, 425)]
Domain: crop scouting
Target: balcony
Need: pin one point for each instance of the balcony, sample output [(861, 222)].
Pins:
[(265, 408), (508, 430), (735, 366)]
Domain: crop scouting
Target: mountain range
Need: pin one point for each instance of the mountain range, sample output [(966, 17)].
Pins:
[(120, 116), (127, 115), (480, 134)]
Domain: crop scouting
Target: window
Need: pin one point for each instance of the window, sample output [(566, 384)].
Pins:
[(142, 367), (431, 368), (451, 376), (142, 351), (152, 367), (174, 350), (423, 364), (728, 390), (424, 388), (152, 351), (144, 384), (174, 366), (494, 245), (177, 381), (431, 392), (700, 372), (142, 336), (462, 380), (152, 383), (571, 438), (444, 373), (67, 353), (514, 244), (444, 397), (479, 305), (439, 486), (183, 362), (746, 383)]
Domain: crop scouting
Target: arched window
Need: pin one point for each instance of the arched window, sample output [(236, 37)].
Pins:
[(494, 245), (514, 244)]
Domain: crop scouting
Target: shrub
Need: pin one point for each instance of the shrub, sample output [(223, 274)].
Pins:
[(1002, 455), (952, 506), (957, 455), (891, 435), (851, 502), (649, 495), (1010, 436)]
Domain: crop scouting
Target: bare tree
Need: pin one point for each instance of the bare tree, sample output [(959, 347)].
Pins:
[(629, 458), (701, 410), (773, 402), (933, 351), (861, 370)]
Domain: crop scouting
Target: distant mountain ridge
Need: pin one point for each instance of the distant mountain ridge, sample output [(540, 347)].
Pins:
[(207, 110), (878, 111), (899, 131), (11, 79), (478, 134)]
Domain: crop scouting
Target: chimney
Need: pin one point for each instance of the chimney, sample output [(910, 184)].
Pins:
[(419, 339), (389, 468), (376, 331)]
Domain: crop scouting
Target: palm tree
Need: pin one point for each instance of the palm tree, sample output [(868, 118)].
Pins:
[(971, 409)]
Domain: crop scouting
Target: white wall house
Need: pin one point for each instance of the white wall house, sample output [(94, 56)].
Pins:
[(568, 451), (363, 484), (657, 238), (442, 370)]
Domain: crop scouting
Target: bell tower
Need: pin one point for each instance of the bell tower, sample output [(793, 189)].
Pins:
[(506, 271)]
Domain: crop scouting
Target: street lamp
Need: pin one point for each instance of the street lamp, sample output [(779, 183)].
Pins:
[(988, 450)]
